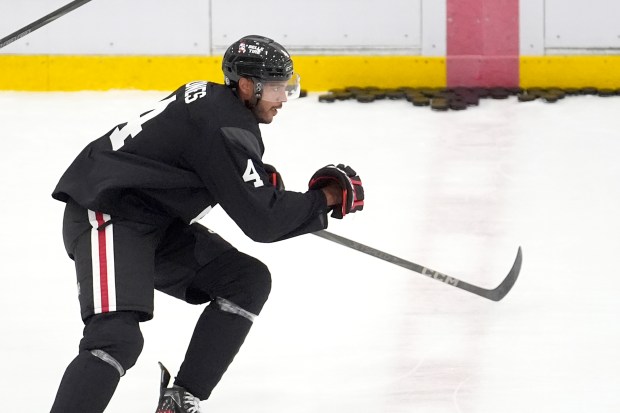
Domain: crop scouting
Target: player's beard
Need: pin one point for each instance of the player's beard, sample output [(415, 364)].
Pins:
[(263, 111)]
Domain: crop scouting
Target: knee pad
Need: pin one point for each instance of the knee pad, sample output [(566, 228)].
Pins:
[(254, 285), (251, 289), (234, 279), (115, 338)]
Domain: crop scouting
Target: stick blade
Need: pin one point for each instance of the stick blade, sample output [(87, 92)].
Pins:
[(501, 290)]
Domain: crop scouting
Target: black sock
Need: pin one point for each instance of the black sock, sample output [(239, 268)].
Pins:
[(87, 386), (216, 340)]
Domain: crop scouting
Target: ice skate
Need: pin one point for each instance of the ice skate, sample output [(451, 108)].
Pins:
[(175, 399)]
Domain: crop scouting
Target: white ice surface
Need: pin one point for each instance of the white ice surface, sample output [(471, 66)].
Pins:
[(344, 332)]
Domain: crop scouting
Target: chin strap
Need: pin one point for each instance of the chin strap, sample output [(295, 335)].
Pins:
[(258, 89), (258, 92), (251, 104)]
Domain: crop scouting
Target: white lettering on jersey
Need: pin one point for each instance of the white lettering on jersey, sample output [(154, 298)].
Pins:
[(195, 90), (134, 126), (251, 175)]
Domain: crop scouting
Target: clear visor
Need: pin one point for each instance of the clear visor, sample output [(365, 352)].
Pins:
[(281, 91)]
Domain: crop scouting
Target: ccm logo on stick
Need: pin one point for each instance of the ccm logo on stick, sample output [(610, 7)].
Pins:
[(439, 276)]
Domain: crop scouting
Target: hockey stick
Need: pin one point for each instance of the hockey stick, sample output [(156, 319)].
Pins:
[(495, 294), (41, 22)]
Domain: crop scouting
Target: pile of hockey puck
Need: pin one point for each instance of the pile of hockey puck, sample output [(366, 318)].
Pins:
[(458, 98)]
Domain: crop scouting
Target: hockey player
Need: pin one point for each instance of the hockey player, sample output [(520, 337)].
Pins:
[(133, 197)]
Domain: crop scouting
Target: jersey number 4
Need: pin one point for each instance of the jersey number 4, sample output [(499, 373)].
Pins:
[(134, 126), (250, 174)]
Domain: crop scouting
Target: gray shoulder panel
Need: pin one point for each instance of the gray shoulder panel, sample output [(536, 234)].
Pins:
[(243, 138)]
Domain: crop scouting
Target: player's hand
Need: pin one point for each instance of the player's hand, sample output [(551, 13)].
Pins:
[(275, 178), (348, 181)]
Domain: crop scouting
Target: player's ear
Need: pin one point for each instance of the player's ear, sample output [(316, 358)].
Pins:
[(246, 88)]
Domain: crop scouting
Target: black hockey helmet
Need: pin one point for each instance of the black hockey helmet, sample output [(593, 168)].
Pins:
[(262, 59)]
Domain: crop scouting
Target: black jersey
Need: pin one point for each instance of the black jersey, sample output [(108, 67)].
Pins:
[(196, 148)]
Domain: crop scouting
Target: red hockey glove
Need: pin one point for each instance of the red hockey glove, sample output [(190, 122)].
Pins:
[(275, 178), (347, 179)]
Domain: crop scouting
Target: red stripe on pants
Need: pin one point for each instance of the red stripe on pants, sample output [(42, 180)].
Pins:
[(103, 264)]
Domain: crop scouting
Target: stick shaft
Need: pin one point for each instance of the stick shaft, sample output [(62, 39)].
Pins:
[(41, 22), (495, 294)]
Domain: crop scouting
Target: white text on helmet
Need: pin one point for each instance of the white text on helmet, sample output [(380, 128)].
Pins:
[(255, 49)]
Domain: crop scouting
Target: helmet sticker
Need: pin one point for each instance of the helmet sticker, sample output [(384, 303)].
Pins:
[(256, 49), (256, 57)]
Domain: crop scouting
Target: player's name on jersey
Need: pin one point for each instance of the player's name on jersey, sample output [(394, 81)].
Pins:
[(195, 90)]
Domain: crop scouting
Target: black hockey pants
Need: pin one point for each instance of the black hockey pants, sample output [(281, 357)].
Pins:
[(235, 284)]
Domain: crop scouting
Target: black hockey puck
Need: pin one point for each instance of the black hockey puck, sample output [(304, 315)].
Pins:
[(527, 97), (354, 89), (571, 91), (550, 97), (482, 92), (439, 104), (560, 93), (461, 90), (470, 98), (430, 92), (365, 97), (445, 93), (457, 104), (589, 91), (327, 98), (343, 95), (394, 94), (499, 93), (606, 92), (378, 94), (414, 94), (535, 91), (420, 100)]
